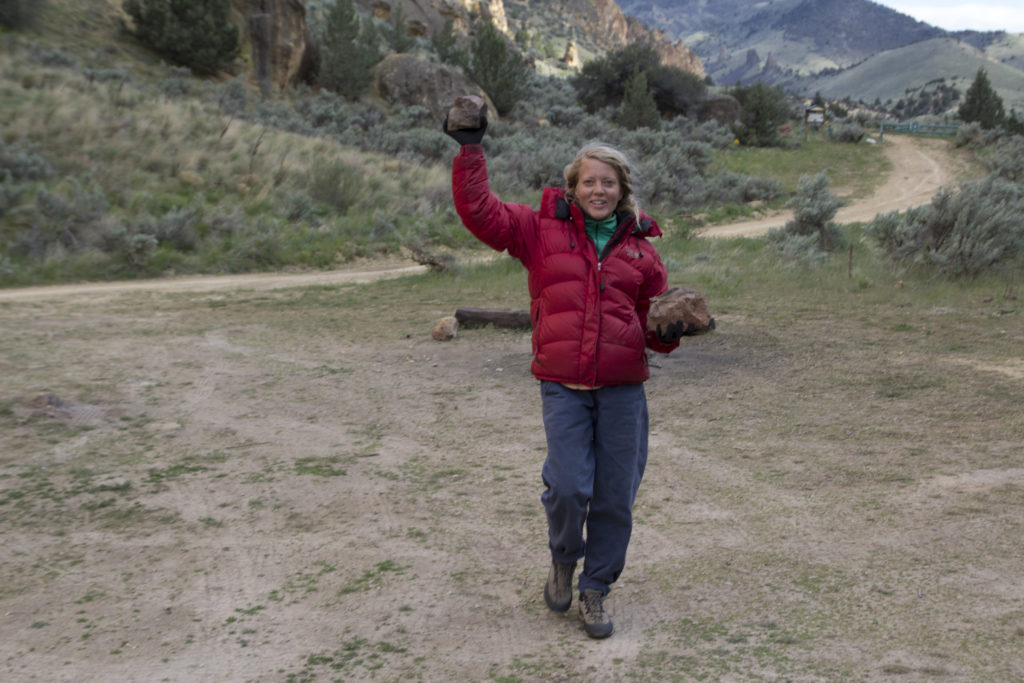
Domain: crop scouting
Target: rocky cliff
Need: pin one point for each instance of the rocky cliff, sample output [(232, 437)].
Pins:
[(278, 52), (598, 23), (274, 40)]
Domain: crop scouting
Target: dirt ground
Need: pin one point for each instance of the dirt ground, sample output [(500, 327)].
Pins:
[(227, 479)]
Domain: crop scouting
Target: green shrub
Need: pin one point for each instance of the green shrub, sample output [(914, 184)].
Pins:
[(10, 192), (566, 116), (176, 228), (138, 248), (673, 173), (23, 162), (850, 132), (179, 83), (969, 134), (335, 183), (193, 33), (55, 58), (961, 232), (811, 233), (528, 160), (735, 188), (1007, 160), (70, 220)]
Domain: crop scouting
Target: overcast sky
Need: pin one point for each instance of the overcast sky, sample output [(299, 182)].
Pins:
[(955, 15)]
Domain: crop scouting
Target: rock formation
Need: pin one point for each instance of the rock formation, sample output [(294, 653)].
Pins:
[(572, 56), (274, 40), (407, 80), (427, 17), (277, 49)]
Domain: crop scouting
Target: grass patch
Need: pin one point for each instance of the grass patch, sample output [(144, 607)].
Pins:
[(855, 170)]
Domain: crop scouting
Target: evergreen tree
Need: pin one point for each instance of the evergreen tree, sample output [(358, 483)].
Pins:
[(348, 51), (396, 34), (638, 108), (18, 13), (444, 42), (982, 103), (762, 110), (193, 33), (1013, 124), (602, 82), (497, 68)]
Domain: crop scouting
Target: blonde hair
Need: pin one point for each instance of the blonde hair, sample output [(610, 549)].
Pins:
[(600, 151)]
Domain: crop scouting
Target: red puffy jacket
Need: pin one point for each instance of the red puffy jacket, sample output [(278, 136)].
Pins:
[(589, 315)]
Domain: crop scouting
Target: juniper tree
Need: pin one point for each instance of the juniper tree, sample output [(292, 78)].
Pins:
[(18, 13), (193, 33), (444, 42), (638, 108), (497, 68), (602, 82), (348, 51), (982, 103), (397, 34), (762, 110)]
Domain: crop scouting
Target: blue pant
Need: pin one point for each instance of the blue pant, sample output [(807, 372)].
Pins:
[(597, 451)]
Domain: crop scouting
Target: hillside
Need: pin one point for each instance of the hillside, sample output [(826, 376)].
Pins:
[(887, 75), (841, 48)]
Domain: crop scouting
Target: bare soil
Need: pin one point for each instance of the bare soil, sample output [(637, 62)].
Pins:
[(283, 478)]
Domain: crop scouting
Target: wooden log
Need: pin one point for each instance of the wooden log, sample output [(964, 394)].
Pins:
[(481, 317)]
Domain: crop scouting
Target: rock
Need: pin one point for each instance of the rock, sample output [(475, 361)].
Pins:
[(427, 18), (275, 40), (679, 303), (466, 113), (572, 56), (445, 329), (406, 80)]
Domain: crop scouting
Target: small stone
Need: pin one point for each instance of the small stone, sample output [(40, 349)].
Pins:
[(466, 113)]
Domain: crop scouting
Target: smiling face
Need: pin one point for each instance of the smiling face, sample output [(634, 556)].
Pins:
[(597, 189)]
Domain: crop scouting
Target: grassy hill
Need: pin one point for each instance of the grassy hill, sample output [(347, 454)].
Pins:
[(888, 75)]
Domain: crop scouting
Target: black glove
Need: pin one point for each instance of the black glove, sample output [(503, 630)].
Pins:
[(672, 332), (471, 136)]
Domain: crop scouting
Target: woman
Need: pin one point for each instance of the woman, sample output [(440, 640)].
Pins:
[(592, 274)]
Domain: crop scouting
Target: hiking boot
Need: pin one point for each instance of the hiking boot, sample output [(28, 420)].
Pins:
[(596, 621), (558, 590)]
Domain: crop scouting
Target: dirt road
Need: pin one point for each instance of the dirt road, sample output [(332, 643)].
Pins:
[(920, 166)]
